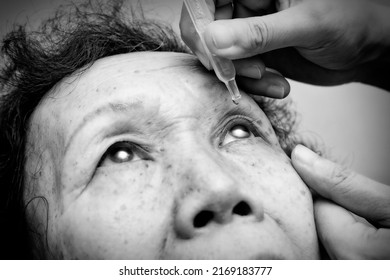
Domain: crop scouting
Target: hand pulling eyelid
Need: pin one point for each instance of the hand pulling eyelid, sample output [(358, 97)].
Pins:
[(223, 67)]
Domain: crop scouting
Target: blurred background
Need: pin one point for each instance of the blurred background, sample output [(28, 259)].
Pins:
[(352, 121)]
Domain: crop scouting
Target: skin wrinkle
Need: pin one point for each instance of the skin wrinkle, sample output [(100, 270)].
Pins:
[(51, 53), (116, 131), (185, 166), (163, 246), (168, 226), (278, 220), (166, 233), (111, 107), (94, 225)]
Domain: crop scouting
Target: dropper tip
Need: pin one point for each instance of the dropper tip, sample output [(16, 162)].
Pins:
[(233, 89)]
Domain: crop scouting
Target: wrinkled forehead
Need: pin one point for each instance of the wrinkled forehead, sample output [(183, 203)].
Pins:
[(139, 75), (134, 68), (153, 83), (163, 89), (143, 63)]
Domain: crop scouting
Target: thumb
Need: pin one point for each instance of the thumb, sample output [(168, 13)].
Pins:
[(357, 193), (346, 237), (246, 37)]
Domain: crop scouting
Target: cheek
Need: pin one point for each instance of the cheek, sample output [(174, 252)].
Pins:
[(269, 173), (123, 213)]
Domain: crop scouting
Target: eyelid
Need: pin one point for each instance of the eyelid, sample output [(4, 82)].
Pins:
[(140, 148), (231, 121)]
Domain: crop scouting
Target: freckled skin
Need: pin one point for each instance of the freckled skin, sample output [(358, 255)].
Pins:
[(149, 208)]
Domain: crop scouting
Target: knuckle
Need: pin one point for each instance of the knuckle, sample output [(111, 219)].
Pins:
[(383, 210), (259, 34), (284, 4), (341, 178)]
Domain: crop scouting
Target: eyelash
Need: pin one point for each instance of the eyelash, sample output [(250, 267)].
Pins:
[(143, 152), (136, 149), (228, 124)]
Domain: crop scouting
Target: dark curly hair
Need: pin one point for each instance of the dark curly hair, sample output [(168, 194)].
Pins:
[(34, 61)]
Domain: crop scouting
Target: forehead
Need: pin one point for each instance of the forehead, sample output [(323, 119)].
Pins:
[(145, 84), (138, 74), (147, 79)]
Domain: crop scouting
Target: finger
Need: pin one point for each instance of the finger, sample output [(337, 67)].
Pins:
[(346, 238), (270, 85), (285, 4), (239, 38), (359, 194), (250, 67)]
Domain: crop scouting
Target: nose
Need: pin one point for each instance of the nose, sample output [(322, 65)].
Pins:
[(213, 196)]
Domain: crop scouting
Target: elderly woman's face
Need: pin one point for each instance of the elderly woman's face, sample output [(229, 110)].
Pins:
[(145, 156)]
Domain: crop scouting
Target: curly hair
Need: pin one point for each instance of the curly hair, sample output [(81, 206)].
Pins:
[(35, 61)]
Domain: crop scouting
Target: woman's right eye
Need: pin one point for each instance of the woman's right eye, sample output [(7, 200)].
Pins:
[(123, 152)]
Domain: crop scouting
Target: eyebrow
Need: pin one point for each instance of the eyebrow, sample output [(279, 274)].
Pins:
[(235, 111), (111, 107)]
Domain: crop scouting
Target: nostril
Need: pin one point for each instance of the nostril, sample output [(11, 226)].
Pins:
[(242, 209), (203, 218)]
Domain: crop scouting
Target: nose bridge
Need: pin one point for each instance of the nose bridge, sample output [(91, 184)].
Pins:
[(218, 190), (207, 171)]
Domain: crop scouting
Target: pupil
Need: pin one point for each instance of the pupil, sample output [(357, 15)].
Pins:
[(122, 156), (239, 131)]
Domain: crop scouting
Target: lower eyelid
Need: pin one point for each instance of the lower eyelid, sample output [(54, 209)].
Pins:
[(122, 167)]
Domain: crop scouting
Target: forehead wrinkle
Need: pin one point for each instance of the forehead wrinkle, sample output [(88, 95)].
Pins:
[(111, 107), (150, 61), (190, 64)]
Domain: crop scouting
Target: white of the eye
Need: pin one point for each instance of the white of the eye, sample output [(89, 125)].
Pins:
[(239, 131)]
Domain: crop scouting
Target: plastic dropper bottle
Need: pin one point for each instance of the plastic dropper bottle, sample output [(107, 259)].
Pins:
[(224, 68)]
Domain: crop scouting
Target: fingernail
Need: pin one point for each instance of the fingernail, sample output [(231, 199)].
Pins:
[(252, 71), (221, 35), (303, 155), (276, 91)]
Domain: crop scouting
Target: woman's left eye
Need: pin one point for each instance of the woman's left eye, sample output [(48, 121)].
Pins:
[(122, 152), (120, 155), (236, 132)]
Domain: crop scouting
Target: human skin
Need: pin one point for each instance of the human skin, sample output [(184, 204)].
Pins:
[(193, 151)]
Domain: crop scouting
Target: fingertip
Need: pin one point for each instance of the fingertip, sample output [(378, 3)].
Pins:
[(303, 155), (270, 85), (254, 71), (287, 88), (294, 153), (305, 162), (277, 91)]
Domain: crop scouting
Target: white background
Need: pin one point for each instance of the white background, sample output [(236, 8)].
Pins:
[(281, 270)]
